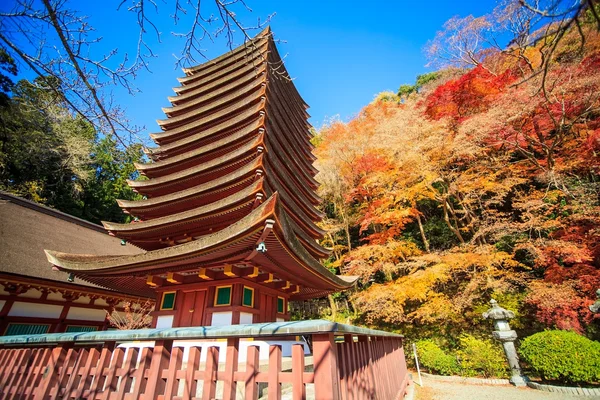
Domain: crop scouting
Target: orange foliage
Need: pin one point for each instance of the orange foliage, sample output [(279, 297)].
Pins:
[(470, 94), (486, 184)]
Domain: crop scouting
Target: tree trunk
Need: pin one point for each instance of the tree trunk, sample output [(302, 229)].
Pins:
[(333, 307), (454, 229), (423, 237)]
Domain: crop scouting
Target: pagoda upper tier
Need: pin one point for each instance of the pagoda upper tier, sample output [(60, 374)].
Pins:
[(232, 169)]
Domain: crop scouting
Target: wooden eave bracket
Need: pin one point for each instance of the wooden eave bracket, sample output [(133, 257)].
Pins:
[(173, 277), (154, 281), (258, 200), (267, 277), (231, 271), (268, 228), (206, 274)]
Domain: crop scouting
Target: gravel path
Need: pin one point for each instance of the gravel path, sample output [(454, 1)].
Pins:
[(438, 390)]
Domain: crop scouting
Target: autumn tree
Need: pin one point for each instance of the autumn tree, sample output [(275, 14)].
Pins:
[(485, 184), (51, 39)]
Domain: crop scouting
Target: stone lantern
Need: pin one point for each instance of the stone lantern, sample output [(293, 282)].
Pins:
[(595, 308), (504, 334)]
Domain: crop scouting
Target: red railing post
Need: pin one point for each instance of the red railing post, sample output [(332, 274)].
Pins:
[(325, 361), (50, 375), (193, 363), (210, 374), (369, 364), (231, 366), (160, 361), (274, 384), (298, 388), (252, 368)]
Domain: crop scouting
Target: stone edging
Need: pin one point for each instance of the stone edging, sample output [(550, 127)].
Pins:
[(564, 389), (464, 379)]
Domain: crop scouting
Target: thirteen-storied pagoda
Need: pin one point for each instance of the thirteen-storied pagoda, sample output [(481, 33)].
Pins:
[(229, 220)]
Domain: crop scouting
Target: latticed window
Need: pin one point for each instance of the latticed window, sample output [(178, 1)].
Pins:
[(81, 328), (26, 329)]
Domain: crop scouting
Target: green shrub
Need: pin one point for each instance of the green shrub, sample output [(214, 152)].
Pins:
[(562, 356), (435, 360), (482, 358)]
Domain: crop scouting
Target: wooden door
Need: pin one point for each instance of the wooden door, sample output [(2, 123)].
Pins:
[(192, 309)]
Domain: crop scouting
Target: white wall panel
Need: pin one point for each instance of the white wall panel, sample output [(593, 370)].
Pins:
[(88, 314), (21, 309)]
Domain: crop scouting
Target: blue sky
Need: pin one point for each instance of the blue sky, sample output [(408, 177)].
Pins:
[(340, 53)]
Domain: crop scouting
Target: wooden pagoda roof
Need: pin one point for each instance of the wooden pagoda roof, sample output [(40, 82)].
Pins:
[(233, 167), (285, 258)]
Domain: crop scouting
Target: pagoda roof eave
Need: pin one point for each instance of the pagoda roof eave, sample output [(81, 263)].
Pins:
[(215, 104), (248, 148), (226, 143), (275, 53), (247, 194), (283, 230), (140, 262), (201, 250), (195, 190), (221, 76), (172, 134), (164, 150), (191, 72), (223, 85)]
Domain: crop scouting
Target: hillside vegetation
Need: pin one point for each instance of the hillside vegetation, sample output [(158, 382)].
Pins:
[(480, 181)]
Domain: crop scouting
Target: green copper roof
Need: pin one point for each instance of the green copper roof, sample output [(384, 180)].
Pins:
[(269, 329)]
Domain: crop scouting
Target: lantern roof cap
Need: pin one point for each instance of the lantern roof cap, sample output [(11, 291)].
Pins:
[(497, 312)]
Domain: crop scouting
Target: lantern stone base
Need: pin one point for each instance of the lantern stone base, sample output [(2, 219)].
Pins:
[(519, 380)]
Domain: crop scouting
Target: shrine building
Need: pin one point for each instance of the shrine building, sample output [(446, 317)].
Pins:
[(229, 219), (34, 299)]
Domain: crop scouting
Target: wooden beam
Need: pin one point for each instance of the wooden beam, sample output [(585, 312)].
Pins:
[(265, 278), (173, 277), (231, 271), (297, 290), (154, 281), (206, 274), (252, 272), (278, 285)]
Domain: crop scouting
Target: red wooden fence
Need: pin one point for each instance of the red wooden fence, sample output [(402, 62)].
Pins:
[(373, 367)]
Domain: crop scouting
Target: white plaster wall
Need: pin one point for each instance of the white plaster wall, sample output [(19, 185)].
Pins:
[(86, 314), (101, 302), (2, 303), (83, 300), (222, 318), (55, 296), (164, 321), (246, 318), (32, 294), (21, 309)]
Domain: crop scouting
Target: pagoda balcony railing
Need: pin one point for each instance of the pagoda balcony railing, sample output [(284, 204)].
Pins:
[(343, 362)]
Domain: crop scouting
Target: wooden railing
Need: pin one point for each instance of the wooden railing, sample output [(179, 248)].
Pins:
[(346, 363)]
